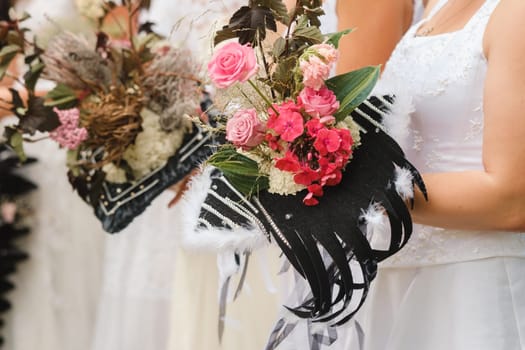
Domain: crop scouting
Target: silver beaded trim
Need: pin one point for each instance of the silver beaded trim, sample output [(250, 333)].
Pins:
[(121, 203), (371, 120), (272, 223), (224, 219)]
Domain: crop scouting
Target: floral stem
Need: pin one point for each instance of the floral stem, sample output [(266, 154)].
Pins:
[(264, 97)]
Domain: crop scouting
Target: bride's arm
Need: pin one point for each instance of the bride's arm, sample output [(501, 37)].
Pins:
[(492, 199), (378, 24)]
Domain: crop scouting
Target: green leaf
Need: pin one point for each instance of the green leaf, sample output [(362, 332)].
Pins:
[(333, 38), (7, 54), (241, 171), (61, 96), (278, 47), (352, 88), (15, 38), (309, 34), (16, 141)]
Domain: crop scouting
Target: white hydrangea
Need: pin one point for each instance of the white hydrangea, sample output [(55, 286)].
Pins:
[(153, 146), (114, 174), (281, 182)]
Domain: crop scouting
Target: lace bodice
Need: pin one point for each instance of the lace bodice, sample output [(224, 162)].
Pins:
[(444, 74)]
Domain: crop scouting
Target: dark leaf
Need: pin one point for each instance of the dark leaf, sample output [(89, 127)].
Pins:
[(311, 35), (283, 77), (248, 24), (38, 116), (33, 74), (147, 27)]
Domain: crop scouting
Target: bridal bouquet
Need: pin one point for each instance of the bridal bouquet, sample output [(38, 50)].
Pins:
[(307, 160), (291, 128), (123, 107)]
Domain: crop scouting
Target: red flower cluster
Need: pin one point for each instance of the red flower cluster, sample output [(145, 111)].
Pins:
[(316, 151)]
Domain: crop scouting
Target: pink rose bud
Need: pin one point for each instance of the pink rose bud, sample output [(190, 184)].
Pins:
[(319, 103), (232, 63), (245, 129)]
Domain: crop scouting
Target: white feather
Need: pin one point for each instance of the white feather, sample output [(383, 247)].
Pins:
[(214, 239), (377, 226), (403, 183), (397, 121)]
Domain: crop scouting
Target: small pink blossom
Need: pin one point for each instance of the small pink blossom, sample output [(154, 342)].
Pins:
[(232, 63), (313, 126), (327, 141), (289, 123), (319, 103), (68, 134), (8, 211), (290, 163), (315, 72), (245, 129)]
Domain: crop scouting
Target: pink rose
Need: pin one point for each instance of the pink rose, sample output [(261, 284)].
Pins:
[(245, 129), (319, 103), (232, 63)]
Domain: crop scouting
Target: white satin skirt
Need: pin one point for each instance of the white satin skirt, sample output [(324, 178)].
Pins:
[(474, 305)]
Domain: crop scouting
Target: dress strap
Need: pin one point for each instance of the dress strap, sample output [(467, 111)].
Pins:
[(482, 16)]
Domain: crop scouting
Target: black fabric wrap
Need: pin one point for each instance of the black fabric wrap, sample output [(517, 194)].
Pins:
[(116, 205), (327, 243), (12, 186)]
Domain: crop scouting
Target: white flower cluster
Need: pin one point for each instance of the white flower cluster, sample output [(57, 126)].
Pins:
[(114, 174), (281, 182), (153, 146), (92, 9)]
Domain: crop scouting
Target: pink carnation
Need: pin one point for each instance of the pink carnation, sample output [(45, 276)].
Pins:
[(327, 51), (245, 129), (315, 72), (316, 64), (68, 134), (319, 103), (232, 63)]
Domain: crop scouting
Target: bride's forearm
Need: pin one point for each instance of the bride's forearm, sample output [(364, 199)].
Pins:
[(473, 200)]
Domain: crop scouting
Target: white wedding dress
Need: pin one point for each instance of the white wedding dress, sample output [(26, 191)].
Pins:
[(155, 296), (447, 289), (57, 288)]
